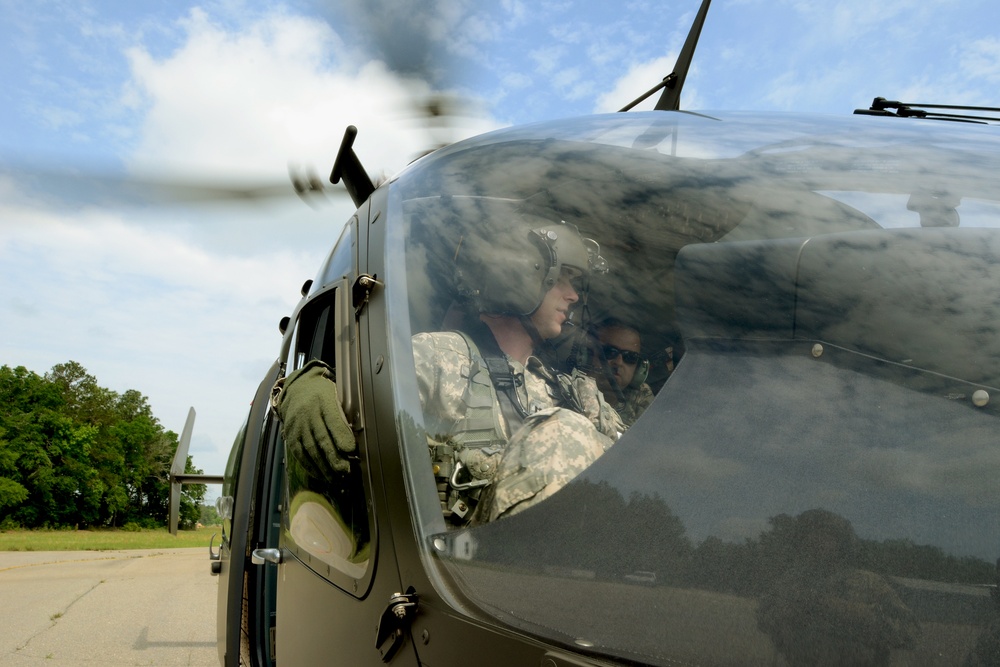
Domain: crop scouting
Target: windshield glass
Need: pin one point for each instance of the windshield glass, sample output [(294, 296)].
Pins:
[(714, 390)]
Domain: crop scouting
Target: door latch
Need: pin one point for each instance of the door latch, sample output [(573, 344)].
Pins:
[(261, 556), (395, 619), (362, 290)]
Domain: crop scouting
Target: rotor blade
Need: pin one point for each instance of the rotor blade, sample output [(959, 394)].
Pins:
[(310, 187), (412, 38), (104, 188), (409, 36), (670, 98)]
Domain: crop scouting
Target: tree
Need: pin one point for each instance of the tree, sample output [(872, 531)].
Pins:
[(75, 453), (655, 539), (34, 432), (209, 515), (12, 492), (192, 496)]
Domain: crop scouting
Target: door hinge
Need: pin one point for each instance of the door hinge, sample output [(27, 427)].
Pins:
[(395, 620)]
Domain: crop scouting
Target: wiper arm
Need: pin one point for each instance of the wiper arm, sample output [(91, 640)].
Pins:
[(670, 98), (882, 107)]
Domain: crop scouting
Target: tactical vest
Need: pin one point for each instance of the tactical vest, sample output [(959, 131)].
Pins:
[(466, 463)]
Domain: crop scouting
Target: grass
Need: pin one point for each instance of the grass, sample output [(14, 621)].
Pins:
[(105, 540)]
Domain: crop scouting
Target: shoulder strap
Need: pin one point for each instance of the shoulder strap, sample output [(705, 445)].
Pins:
[(501, 375), (480, 425)]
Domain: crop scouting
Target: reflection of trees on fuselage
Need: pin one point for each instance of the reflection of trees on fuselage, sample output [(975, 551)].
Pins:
[(751, 567), (903, 558), (820, 608), (591, 527)]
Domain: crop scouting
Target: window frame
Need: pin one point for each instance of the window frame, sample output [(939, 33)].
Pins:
[(326, 329)]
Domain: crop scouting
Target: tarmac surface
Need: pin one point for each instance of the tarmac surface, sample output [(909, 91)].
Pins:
[(141, 607)]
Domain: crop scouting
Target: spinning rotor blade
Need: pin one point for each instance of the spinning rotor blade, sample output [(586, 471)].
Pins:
[(409, 36), (81, 187), (412, 38)]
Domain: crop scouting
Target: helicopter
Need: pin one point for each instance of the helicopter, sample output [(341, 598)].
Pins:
[(814, 482)]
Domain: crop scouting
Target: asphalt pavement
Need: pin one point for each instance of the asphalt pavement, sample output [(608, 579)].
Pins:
[(142, 607)]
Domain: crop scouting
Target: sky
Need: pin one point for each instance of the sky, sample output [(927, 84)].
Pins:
[(181, 301)]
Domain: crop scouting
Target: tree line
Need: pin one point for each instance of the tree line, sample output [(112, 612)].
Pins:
[(590, 526), (73, 453)]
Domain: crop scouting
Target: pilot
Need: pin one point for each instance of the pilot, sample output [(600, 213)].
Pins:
[(621, 369), (505, 430)]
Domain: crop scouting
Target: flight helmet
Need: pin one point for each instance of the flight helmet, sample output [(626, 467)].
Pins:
[(508, 269)]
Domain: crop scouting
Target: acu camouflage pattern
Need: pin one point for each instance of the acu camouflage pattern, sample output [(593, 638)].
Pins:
[(463, 429), (549, 450), (466, 425), (635, 403)]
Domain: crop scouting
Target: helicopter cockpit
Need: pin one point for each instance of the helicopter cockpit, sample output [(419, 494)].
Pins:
[(822, 446)]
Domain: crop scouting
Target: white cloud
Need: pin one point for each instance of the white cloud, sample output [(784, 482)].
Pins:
[(251, 101), (279, 91), (547, 58), (516, 80), (141, 307), (516, 13), (639, 79), (980, 60), (183, 304)]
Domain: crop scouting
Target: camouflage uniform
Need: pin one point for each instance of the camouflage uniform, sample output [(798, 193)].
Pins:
[(553, 445), (635, 403)]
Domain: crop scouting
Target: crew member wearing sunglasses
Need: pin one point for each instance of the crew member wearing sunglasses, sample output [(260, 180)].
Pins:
[(621, 369)]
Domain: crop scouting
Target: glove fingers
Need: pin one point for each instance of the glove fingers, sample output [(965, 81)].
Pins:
[(336, 424), (326, 451), (314, 424)]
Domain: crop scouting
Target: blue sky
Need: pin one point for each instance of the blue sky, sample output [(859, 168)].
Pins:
[(182, 302)]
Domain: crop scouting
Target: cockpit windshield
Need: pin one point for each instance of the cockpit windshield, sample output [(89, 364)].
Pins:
[(682, 389)]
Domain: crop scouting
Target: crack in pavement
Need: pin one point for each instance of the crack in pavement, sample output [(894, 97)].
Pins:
[(54, 618)]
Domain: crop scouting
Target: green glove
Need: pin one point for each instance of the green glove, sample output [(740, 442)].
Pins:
[(313, 423)]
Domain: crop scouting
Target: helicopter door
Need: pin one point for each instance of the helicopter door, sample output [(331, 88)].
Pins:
[(336, 570), (236, 505)]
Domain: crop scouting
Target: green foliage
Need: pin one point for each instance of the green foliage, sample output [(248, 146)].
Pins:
[(73, 453), (12, 494), (192, 496), (209, 516)]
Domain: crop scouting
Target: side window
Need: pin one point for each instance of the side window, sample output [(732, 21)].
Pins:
[(327, 524), (224, 505)]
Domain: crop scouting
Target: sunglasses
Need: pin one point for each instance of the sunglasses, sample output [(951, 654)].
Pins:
[(628, 356)]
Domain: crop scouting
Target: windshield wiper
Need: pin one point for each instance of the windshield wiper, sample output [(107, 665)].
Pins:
[(883, 107), (670, 98)]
